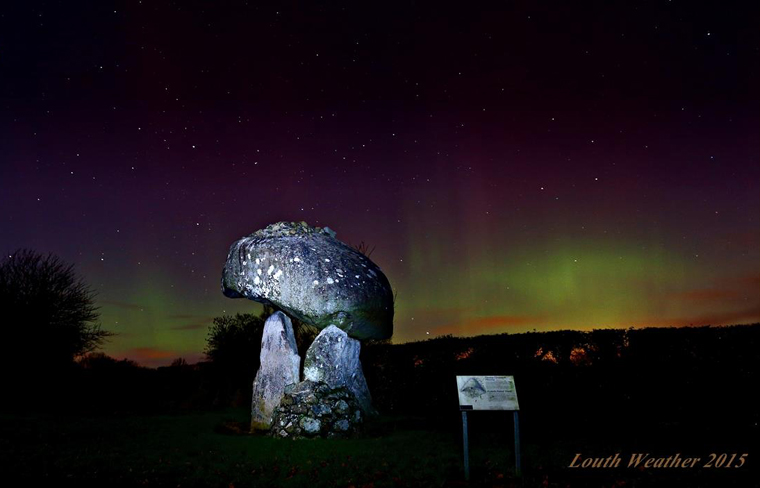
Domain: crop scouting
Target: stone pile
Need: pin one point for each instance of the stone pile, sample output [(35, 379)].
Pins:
[(313, 409)]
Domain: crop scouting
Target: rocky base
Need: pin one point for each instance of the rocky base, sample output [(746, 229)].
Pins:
[(313, 409)]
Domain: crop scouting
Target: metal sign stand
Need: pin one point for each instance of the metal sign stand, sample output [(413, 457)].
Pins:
[(491, 392), (465, 438), (516, 417), (466, 447)]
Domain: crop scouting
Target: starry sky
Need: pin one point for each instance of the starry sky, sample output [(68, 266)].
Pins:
[(516, 166)]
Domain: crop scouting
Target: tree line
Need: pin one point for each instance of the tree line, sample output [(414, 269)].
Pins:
[(565, 379)]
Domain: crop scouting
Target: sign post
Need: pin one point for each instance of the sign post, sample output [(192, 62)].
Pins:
[(488, 393), (466, 446), (518, 470)]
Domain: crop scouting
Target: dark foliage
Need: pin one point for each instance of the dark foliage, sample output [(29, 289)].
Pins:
[(231, 338), (688, 390), (305, 335), (638, 380), (101, 384), (47, 309), (570, 383), (232, 346)]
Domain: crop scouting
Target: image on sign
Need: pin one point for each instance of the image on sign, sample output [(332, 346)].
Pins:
[(473, 389)]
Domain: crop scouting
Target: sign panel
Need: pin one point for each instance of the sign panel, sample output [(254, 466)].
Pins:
[(487, 393)]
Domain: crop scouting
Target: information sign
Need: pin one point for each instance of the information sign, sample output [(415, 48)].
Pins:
[(487, 393)]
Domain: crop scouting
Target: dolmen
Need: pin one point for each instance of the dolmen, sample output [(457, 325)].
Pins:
[(306, 273)]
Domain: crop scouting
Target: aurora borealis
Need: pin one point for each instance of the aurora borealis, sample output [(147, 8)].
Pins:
[(515, 166)]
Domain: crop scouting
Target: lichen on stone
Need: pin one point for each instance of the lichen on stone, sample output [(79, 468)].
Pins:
[(306, 272)]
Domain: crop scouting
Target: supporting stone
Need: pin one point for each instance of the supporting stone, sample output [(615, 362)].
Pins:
[(280, 364), (333, 358)]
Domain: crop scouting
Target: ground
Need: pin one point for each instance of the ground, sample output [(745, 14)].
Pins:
[(210, 449), (204, 449)]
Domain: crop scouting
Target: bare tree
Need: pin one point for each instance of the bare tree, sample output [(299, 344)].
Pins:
[(49, 312)]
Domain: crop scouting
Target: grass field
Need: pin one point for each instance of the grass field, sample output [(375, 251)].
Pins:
[(210, 449), (204, 450)]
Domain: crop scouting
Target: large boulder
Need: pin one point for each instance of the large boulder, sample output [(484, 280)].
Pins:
[(279, 368), (312, 276), (333, 359)]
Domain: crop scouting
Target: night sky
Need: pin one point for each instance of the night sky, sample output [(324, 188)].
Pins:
[(516, 166)]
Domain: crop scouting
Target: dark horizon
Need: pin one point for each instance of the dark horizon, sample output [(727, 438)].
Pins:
[(201, 358)]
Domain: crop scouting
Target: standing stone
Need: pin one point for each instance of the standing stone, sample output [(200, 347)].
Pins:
[(333, 358), (279, 368)]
